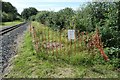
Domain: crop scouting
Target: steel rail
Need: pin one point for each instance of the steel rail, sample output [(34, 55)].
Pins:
[(6, 30)]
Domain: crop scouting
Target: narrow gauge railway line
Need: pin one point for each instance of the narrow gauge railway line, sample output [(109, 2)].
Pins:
[(8, 29), (10, 38)]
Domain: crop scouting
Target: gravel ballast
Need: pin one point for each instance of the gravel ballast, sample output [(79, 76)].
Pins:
[(9, 43)]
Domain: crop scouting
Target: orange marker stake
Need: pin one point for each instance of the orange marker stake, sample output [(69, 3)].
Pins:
[(79, 40), (67, 45), (37, 48), (66, 42), (43, 40), (36, 41), (82, 34), (52, 43), (60, 41), (99, 45), (30, 29), (34, 38), (85, 39), (48, 42), (75, 42), (103, 54), (57, 46)]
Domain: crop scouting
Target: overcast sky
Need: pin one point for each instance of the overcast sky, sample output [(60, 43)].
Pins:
[(54, 5)]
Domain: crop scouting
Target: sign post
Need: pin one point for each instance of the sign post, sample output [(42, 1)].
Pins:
[(71, 34)]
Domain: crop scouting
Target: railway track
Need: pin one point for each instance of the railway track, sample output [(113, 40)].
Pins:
[(10, 38), (6, 30)]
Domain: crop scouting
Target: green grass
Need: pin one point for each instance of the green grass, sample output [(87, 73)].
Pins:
[(29, 64), (3, 24), (26, 64)]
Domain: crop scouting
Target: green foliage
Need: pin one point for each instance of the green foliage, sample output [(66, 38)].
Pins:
[(103, 15), (83, 19), (113, 54), (4, 16), (8, 7), (32, 18), (9, 12), (57, 20), (42, 16), (109, 25), (64, 17), (27, 12)]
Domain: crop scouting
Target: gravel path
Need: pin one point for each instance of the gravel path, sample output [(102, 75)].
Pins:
[(8, 45)]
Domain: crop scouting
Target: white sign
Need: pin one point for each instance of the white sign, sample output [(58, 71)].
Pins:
[(71, 34)]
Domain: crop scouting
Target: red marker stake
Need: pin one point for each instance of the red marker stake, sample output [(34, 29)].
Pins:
[(79, 39), (60, 41), (103, 54), (52, 44), (48, 41), (75, 43), (57, 45)]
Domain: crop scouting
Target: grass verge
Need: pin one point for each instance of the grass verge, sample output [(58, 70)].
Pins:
[(3, 24), (27, 64)]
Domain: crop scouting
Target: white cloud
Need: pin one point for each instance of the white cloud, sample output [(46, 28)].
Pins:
[(55, 8)]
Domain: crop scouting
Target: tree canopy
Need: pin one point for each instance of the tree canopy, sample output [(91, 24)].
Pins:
[(9, 12), (28, 12)]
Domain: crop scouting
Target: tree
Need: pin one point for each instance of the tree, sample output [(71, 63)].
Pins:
[(7, 7), (27, 12), (4, 17), (32, 18), (103, 15), (64, 17), (9, 12), (42, 16), (83, 19)]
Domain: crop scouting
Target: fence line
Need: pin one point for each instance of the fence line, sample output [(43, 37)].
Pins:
[(82, 39), (35, 40)]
